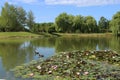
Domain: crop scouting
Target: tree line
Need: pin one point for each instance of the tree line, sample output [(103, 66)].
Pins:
[(14, 18), (87, 24), (67, 23)]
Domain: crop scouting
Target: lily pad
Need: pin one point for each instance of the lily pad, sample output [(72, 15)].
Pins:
[(74, 65)]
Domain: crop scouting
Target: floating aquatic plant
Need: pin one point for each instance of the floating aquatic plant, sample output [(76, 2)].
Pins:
[(76, 65)]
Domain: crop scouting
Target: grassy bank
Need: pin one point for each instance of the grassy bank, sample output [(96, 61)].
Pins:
[(84, 35), (76, 65), (33, 35), (24, 35), (18, 35)]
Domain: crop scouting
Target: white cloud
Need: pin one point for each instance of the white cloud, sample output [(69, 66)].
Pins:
[(27, 1), (22, 1), (82, 2), (66, 2)]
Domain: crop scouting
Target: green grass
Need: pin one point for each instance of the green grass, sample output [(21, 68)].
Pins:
[(15, 40), (33, 35), (18, 35), (84, 35)]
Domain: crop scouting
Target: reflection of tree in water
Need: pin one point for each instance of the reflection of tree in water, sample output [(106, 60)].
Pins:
[(103, 43), (115, 44), (67, 44), (9, 54), (17, 53), (13, 55), (28, 50), (44, 42)]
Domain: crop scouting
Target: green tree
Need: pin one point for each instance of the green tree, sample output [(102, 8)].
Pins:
[(90, 24), (21, 18), (0, 26), (12, 18), (52, 28), (30, 20), (44, 27), (103, 24), (36, 27), (64, 22), (4, 19), (115, 23), (78, 23)]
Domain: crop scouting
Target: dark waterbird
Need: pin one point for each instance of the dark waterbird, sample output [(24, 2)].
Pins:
[(40, 55), (36, 52)]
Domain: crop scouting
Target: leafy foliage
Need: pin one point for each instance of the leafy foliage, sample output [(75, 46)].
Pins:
[(44, 27), (91, 24), (103, 24), (78, 23), (14, 18), (69, 23), (30, 20), (115, 23), (74, 65), (64, 22)]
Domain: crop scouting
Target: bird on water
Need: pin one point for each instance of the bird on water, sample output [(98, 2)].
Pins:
[(40, 55)]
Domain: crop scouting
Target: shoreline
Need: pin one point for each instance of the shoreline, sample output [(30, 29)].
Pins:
[(4, 35), (85, 35)]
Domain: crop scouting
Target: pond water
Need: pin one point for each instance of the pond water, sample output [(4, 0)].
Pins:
[(14, 52)]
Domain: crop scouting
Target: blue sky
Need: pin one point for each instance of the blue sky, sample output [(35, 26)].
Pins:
[(48, 10)]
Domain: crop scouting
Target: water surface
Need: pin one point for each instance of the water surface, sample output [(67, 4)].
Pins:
[(15, 52)]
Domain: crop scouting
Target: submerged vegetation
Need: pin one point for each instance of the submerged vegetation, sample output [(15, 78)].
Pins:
[(74, 65)]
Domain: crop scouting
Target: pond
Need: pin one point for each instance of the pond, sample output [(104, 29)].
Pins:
[(14, 52)]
